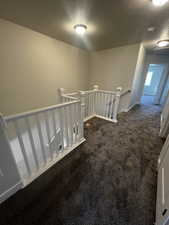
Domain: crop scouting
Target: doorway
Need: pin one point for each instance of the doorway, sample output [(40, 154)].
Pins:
[(154, 84)]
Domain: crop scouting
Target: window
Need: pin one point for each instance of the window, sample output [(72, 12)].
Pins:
[(148, 78)]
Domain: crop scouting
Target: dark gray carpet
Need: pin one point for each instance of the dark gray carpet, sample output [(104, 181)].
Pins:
[(109, 180)]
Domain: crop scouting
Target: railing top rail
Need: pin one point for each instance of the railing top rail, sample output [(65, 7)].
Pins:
[(125, 92), (36, 111), (107, 92), (70, 97), (89, 91), (73, 93)]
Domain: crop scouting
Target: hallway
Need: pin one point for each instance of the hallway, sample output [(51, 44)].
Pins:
[(110, 179)]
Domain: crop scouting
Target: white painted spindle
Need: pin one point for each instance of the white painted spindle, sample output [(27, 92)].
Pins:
[(32, 142), (116, 104), (22, 146)]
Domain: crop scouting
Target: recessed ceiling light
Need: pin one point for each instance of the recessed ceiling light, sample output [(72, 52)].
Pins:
[(80, 28), (163, 43), (151, 29), (159, 2)]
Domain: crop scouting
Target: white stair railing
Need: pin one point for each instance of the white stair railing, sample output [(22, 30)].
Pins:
[(40, 138), (99, 103)]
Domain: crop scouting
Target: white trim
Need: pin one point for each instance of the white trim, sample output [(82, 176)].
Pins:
[(105, 118), (163, 197), (123, 110), (100, 117), (127, 110), (11, 191), (36, 111), (50, 164), (90, 117)]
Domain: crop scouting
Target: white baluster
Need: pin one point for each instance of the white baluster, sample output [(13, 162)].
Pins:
[(61, 116), (96, 88), (91, 104), (105, 95), (54, 131), (90, 112), (107, 105), (70, 124), (66, 133), (48, 132), (41, 138), (88, 104), (75, 122), (102, 104), (21, 143), (116, 104), (82, 99), (80, 121), (32, 142), (112, 100), (98, 103)]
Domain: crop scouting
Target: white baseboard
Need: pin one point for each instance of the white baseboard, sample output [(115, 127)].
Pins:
[(104, 118), (90, 117), (127, 110), (101, 117), (10, 191)]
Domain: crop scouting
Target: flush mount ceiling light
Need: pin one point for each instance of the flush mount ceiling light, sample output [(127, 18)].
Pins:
[(80, 28), (159, 2), (151, 29), (163, 43)]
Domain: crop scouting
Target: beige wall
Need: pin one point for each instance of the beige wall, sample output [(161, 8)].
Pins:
[(114, 67), (138, 81), (33, 66)]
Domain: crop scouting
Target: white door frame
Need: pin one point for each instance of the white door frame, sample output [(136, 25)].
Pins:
[(161, 85)]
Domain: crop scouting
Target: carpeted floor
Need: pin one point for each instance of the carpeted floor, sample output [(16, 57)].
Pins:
[(109, 180)]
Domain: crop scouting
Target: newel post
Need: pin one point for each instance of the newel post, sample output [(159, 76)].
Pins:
[(116, 104), (61, 92), (82, 99), (96, 87)]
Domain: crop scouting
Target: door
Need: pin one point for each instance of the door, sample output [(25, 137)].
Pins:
[(162, 209), (153, 83)]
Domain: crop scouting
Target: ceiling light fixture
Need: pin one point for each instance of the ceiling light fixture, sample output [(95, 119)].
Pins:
[(163, 43), (80, 28), (151, 29), (159, 2)]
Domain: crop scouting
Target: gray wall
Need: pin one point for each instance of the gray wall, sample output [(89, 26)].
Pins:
[(33, 66), (138, 80), (114, 67)]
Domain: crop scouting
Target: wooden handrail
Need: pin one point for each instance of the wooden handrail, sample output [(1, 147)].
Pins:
[(69, 97), (125, 92), (107, 92), (36, 111)]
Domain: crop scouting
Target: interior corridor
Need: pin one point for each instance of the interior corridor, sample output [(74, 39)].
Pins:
[(110, 179)]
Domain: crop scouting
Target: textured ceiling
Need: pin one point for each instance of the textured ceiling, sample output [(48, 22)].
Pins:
[(110, 23)]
